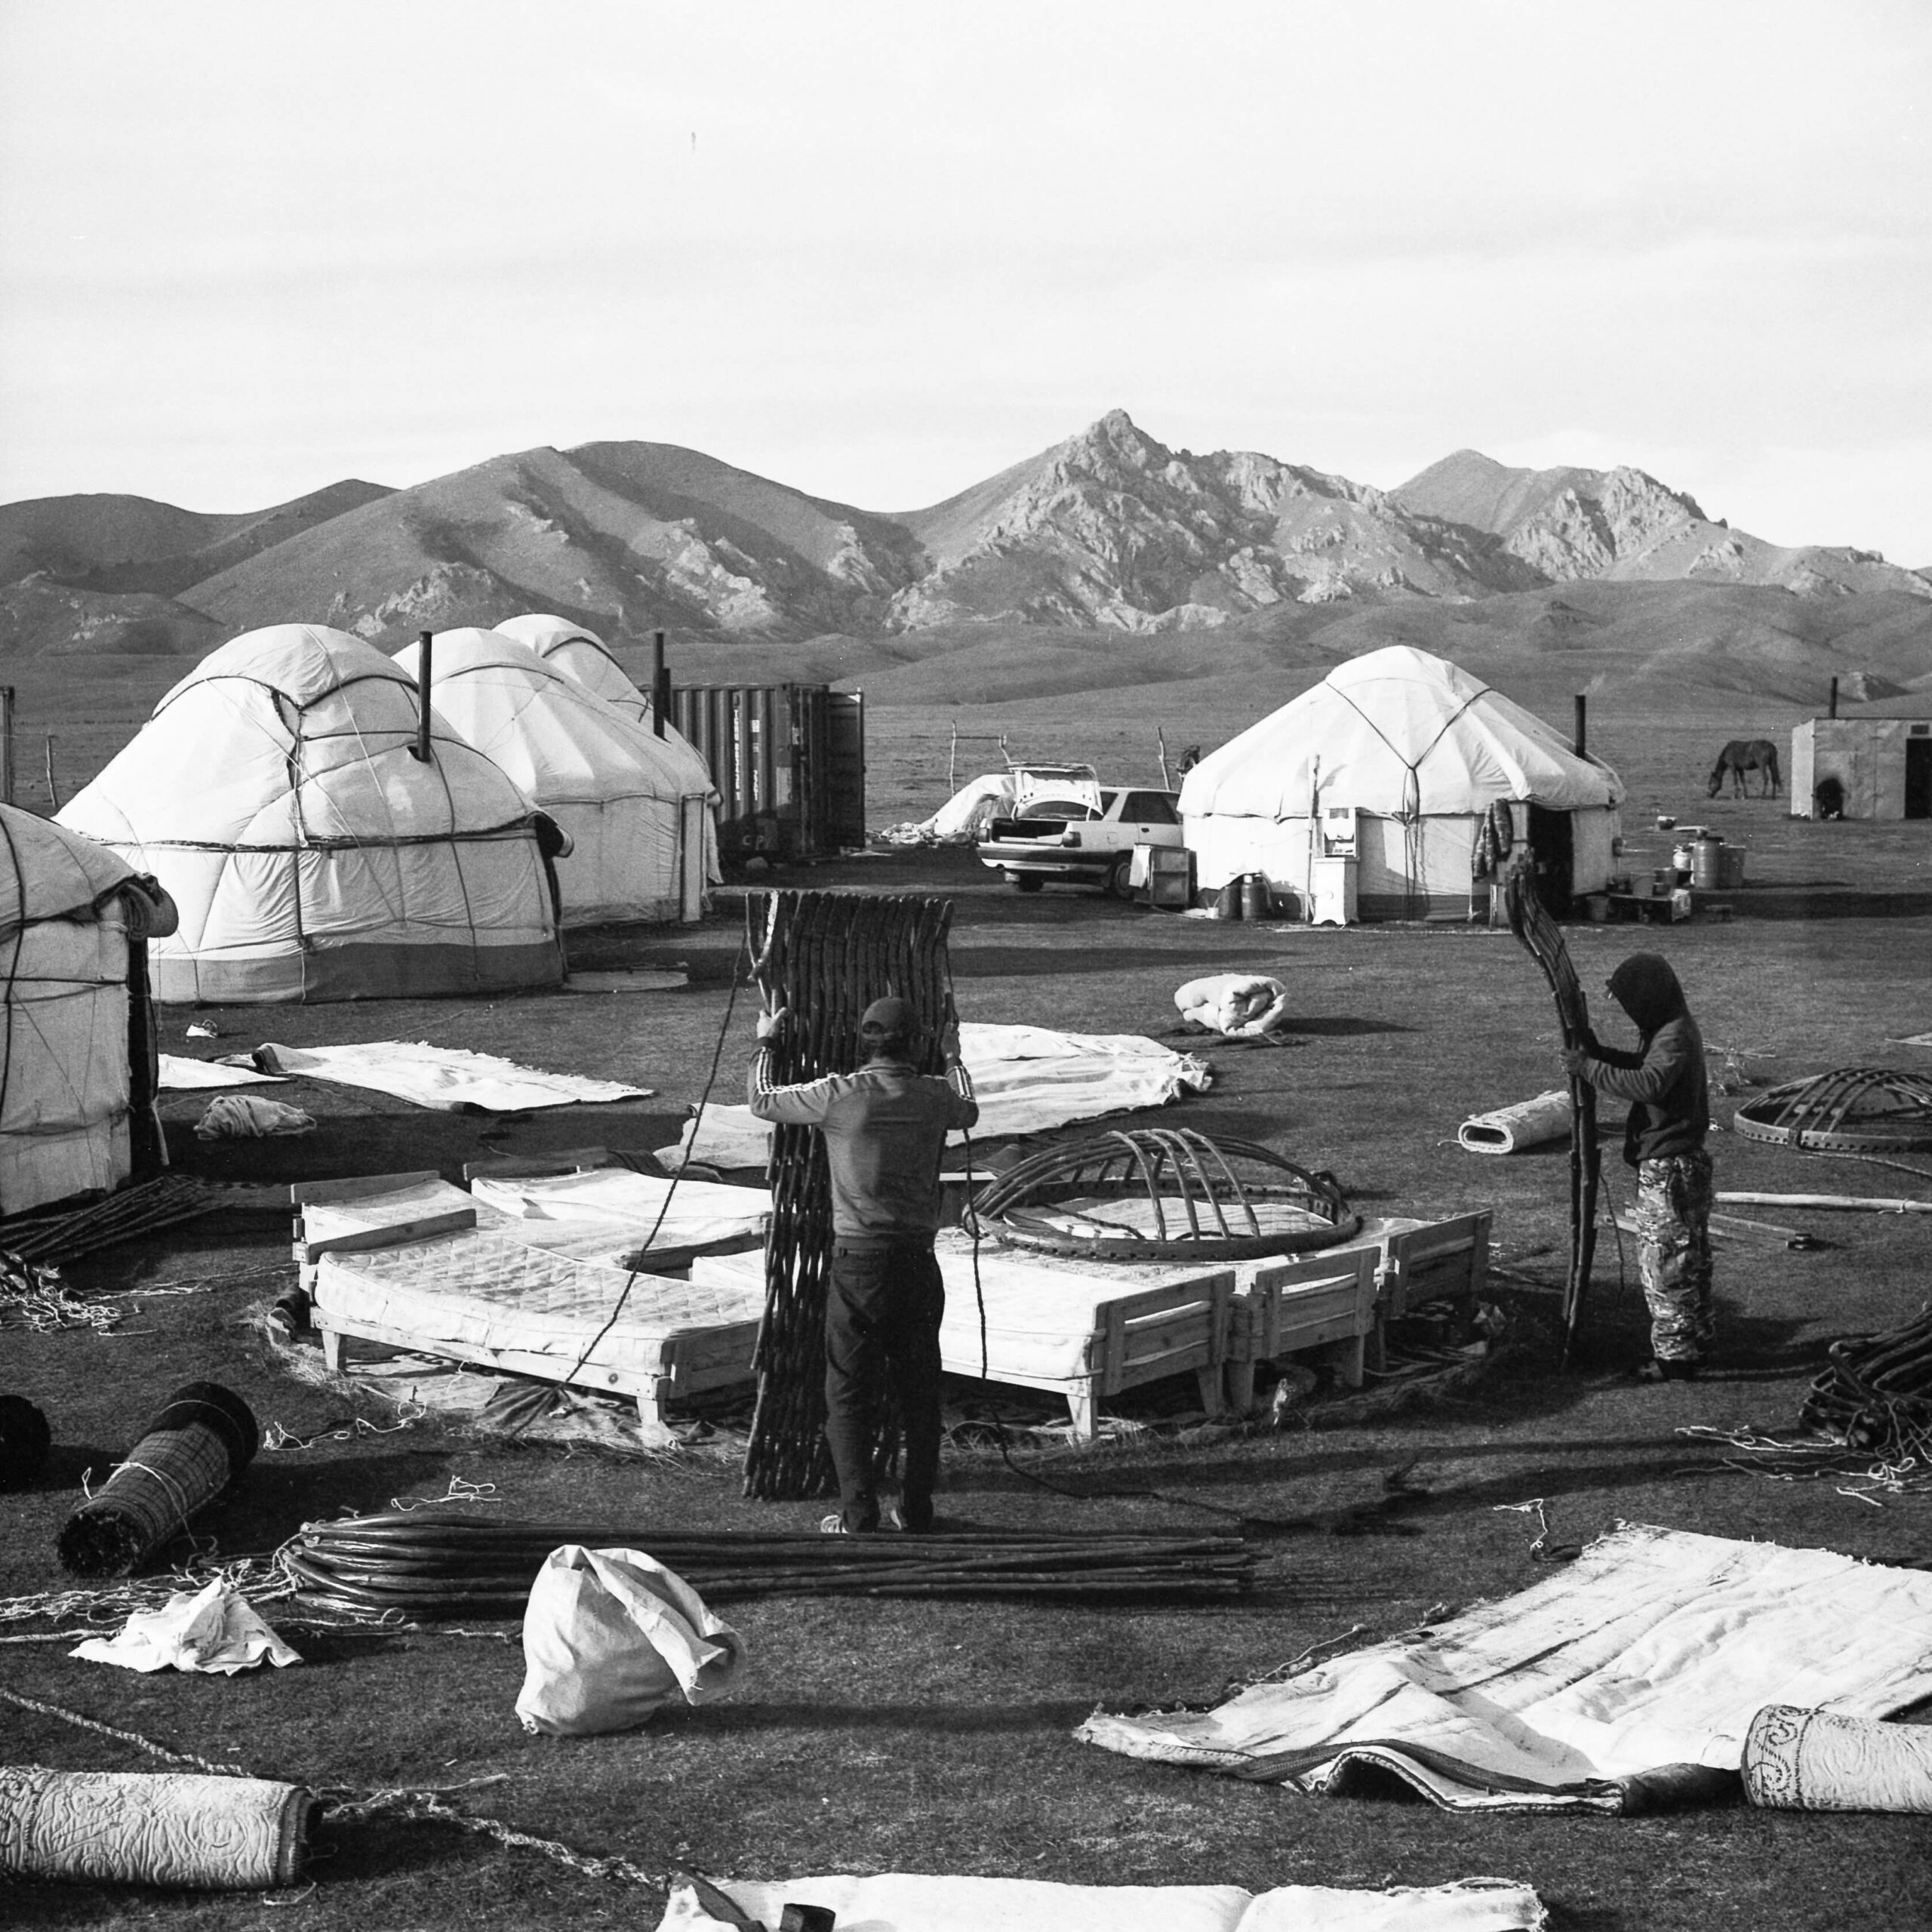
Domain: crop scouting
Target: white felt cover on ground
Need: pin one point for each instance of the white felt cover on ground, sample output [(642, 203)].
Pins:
[(1655, 1648), (1025, 1079), (914, 1901), (445, 1077), (683, 1214)]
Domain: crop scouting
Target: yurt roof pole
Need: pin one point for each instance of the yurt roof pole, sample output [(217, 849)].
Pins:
[(421, 750), (1314, 833)]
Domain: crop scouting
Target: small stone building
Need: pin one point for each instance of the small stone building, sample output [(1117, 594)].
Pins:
[(1881, 767)]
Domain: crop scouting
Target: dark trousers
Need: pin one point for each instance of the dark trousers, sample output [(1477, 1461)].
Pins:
[(881, 1334)]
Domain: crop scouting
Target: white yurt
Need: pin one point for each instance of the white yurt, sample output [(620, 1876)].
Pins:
[(1394, 761), (77, 1071), (626, 800), (584, 655), (277, 794)]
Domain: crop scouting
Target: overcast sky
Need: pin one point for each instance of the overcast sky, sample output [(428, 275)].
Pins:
[(879, 251)]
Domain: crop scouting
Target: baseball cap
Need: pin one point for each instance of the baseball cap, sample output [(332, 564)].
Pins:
[(886, 1016)]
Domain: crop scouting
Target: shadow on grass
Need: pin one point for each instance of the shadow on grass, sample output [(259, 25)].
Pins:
[(1835, 903), (723, 1719)]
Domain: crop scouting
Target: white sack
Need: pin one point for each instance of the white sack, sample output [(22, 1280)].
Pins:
[(212, 1631), (916, 1901), (1237, 1004), (609, 1636)]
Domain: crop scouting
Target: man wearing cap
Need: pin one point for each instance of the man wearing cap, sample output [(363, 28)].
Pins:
[(1670, 1114), (885, 1128)]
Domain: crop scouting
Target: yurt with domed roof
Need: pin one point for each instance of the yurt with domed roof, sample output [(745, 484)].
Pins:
[(1413, 777), (627, 801), (584, 656), (77, 1052), (323, 834)]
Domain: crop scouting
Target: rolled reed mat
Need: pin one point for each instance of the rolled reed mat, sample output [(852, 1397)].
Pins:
[(1508, 1130), (174, 1828), (25, 1441), (1798, 1760), (198, 1446)]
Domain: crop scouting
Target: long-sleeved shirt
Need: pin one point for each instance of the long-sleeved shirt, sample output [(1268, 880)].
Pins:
[(1665, 1080), (886, 1128)]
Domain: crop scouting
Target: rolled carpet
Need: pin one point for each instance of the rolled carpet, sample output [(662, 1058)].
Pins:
[(198, 1444), (25, 1441), (1509, 1130), (178, 1829), (1798, 1760)]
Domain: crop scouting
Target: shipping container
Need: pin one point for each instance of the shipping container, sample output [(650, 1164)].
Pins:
[(789, 764)]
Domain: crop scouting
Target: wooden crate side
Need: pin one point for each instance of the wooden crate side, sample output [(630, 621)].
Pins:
[(356, 1187), (1446, 1258), (1301, 1304)]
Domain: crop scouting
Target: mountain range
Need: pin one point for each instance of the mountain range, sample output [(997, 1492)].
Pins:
[(1110, 531)]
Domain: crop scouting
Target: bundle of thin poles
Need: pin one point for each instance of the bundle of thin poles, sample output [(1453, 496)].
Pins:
[(135, 1211), (825, 957), (1536, 932), (427, 1563), (1877, 1394)]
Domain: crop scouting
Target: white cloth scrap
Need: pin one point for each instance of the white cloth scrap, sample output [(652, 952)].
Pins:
[(445, 1077), (212, 1631), (1026, 1078), (249, 1117), (1656, 1647), (180, 1075), (916, 1901), (1239, 1004)]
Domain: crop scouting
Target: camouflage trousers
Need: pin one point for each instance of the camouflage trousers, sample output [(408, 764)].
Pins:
[(1673, 1217)]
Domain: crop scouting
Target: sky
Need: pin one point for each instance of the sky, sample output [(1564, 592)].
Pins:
[(879, 252)]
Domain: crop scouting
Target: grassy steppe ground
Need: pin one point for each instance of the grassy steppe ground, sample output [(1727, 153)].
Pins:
[(935, 1737)]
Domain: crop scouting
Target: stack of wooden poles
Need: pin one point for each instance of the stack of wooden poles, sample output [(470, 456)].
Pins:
[(825, 956), (427, 1563), (1537, 933)]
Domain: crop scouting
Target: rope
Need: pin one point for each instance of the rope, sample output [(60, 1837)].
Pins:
[(348, 1804)]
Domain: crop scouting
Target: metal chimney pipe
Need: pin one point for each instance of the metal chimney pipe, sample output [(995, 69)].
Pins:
[(1582, 706), (421, 750), (660, 683), (1834, 712)]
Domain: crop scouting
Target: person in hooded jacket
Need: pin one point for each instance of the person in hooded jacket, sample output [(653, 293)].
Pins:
[(1670, 1114)]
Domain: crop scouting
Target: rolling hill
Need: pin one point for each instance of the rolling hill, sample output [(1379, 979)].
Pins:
[(1109, 560)]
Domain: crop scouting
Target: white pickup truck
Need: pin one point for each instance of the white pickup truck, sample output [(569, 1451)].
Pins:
[(1075, 830)]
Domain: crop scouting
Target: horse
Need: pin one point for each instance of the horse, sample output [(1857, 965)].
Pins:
[(1743, 754)]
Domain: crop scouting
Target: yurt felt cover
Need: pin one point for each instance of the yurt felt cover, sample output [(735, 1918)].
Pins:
[(1401, 736), (612, 785), (65, 1089), (584, 655), (275, 794)]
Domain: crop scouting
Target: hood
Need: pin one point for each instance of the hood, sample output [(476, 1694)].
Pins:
[(1646, 987)]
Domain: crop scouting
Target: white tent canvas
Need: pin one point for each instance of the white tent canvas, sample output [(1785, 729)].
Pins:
[(70, 1087), (276, 794), (582, 654), (619, 793), (1419, 750)]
